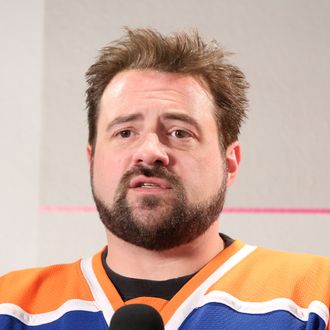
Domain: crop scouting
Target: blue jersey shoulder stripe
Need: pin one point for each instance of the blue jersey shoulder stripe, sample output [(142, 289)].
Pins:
[(219, 316), (81, 320)]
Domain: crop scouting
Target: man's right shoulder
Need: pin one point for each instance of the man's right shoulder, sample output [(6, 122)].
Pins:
[(40, 290)]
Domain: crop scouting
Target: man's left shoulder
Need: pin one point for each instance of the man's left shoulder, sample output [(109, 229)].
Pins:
[(298, 276), (265, 274), (300, 263)]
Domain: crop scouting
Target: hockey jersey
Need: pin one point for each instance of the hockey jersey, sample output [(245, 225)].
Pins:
[(243, 287)]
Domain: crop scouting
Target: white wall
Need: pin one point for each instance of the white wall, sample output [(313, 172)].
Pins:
[(21, 32), (282, 46)]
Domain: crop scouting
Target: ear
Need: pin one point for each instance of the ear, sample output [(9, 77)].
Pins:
[(89, 153), (233, 158)]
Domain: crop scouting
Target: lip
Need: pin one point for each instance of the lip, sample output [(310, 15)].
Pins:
[(161, 183)]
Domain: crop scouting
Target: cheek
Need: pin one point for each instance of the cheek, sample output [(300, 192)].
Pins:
[(203, 176), (107, 172)]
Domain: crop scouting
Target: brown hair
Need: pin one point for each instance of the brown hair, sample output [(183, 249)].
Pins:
[(181, 52)]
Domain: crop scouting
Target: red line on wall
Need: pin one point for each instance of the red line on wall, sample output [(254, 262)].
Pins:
[(242, 210), (279, 210), (66, 209)]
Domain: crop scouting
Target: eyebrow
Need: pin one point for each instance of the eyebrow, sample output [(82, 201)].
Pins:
[(124, 119), (181, 117), (166, 116)]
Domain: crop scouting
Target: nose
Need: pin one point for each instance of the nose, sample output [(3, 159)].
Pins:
[(151, 151)]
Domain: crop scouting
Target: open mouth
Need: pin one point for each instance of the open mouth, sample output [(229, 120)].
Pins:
[(149, 183)]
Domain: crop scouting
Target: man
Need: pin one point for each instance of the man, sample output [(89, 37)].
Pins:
[(164, 117)]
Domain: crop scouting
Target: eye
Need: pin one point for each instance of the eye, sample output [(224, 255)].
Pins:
[(180, 134), (124, 133)]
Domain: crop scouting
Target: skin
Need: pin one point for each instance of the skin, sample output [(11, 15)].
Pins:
[(149, 117)]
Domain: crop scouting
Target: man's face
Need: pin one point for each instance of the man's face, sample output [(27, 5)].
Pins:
[(158, 174)]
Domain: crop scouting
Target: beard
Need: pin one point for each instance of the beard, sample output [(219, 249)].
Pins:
[(158, 223)]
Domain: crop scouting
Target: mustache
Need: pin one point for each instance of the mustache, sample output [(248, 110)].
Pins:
[(157, 171)]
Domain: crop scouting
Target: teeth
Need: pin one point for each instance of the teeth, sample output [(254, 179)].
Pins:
[(149, 184)]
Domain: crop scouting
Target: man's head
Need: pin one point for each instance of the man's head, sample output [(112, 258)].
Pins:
[(146, 49), (162, 152)]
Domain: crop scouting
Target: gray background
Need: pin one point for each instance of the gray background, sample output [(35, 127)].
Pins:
[(46, 47)]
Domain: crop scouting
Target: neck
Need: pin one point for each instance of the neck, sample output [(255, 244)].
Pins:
[(136, 262)]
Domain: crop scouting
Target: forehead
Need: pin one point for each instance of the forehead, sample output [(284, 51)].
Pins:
[(148, 90)]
